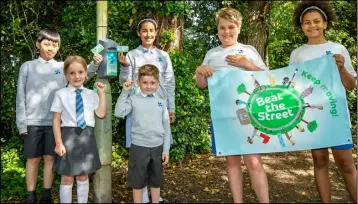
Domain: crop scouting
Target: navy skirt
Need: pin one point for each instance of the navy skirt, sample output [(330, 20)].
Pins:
[(81, 156)]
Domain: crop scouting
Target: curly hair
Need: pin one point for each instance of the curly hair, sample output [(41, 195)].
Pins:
[(325, 6)]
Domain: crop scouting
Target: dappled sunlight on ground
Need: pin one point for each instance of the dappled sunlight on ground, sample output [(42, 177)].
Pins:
[(202, 178)]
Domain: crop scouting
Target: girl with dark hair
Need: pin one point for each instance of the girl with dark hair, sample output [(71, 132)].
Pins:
[(313, 18)]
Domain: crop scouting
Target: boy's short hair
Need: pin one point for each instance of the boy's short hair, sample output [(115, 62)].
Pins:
[(148, 70), (324, 6), (49, 34), (230, 14)]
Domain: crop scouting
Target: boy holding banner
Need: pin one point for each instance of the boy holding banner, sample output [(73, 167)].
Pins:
[(233, 55), (313, 18)]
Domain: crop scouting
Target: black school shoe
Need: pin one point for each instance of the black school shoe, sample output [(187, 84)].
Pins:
[(159, 201), (30, 201), (46, 200)]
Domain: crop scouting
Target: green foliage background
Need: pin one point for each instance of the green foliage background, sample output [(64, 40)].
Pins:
[(76, 21)]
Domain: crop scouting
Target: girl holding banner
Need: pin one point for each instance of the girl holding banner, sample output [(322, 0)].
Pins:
[(313, 18)]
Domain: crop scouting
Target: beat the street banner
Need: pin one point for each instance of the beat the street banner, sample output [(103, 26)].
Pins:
[(298, 107)]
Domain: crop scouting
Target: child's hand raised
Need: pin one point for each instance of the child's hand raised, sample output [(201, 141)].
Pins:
[(165, 159), (122, 59), (127, 85), (100, 87), (205, 71), (60, 150), (97, 59)]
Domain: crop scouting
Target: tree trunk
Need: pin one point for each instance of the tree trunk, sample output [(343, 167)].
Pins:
[(170, 26), (256, 22)]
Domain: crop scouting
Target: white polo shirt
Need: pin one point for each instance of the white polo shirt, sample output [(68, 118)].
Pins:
[(65, 103), (308, 52), (216, 57)]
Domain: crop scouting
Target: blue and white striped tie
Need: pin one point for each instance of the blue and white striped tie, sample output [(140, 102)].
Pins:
[(80, 114)]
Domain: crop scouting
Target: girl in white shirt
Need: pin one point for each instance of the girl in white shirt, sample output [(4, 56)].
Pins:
[(313, 18), (73, 125)]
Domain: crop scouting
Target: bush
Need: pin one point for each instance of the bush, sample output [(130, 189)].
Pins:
[(13, 181), (190, 131)]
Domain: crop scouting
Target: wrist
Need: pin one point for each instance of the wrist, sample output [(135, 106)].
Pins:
[(251, 67), (341, 69), (124, 65), (100, 92)]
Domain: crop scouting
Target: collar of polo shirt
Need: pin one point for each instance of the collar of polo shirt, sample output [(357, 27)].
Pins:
[(45, 62)]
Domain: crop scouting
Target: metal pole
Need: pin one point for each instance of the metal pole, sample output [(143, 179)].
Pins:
[(102, 180)]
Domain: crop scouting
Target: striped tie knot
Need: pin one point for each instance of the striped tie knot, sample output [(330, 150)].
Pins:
[(80, 114), (78, 91), (150, 95)]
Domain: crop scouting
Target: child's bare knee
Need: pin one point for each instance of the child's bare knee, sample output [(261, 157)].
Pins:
[(48, 159), (320, 163), (346, 167), (66, 180), (253, 164), (232, 162), (81, 177), (33, 161)]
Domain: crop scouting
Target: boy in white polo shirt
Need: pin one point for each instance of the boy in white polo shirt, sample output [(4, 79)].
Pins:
[(233, 55)]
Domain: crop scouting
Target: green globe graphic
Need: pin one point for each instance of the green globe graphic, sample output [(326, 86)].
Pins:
[(275, 109)]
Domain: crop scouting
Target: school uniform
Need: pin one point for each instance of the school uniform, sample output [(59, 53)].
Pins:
[(81, 156), (215, 58), (139, 57), (37, 83), (150, 137), (309, 52)]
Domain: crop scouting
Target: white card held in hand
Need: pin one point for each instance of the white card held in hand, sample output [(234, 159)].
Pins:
[(122, 48), (98, 49)]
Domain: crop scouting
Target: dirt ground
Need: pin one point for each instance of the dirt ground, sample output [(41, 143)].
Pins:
[(202, 179)]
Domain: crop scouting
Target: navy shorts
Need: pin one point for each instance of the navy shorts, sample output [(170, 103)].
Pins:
[(343, 147), (39, 141), (145, 167), (213, 146)]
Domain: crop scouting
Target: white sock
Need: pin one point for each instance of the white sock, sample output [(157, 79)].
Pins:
[(66, 193), (160, 199), (145, 198), (82, 191)]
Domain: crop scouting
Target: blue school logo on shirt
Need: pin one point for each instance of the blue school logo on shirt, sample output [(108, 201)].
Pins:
[(240, 51), (328, 52), (160, 104), (57, 72), (161, 59)]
